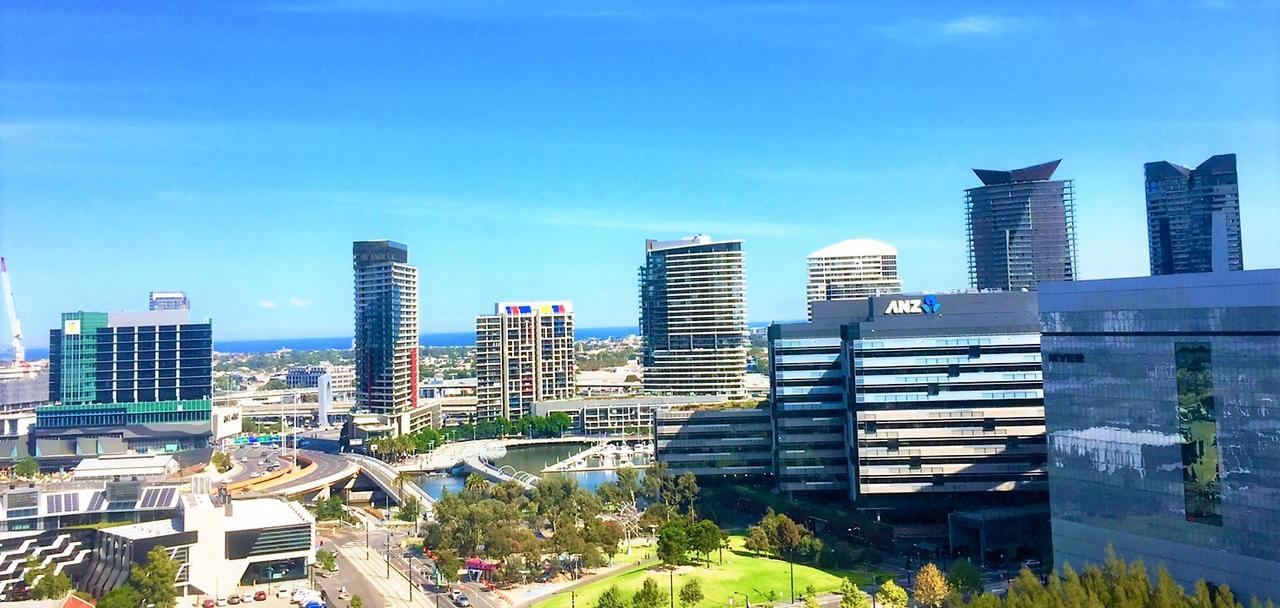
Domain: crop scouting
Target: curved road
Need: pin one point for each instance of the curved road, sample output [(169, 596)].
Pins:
[(328, 468), (250, 458)]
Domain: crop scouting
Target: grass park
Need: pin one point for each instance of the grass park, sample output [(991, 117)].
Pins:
[(744, 572)]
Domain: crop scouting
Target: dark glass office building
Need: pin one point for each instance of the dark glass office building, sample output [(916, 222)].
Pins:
[(386, 333), (1181, 204), (1021, 228), (1163, 402), (127, 381)]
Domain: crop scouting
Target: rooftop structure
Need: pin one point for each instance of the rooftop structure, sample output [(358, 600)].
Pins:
[(524, 353), (140, 466)]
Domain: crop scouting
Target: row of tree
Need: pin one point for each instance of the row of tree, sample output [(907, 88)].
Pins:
[(680, 536), (650, 595), (150, 584)]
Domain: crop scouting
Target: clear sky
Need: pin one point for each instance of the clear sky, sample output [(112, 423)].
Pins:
[(525, 150)]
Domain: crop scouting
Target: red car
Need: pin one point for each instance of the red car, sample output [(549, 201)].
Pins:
[(209, 603), (260, 596)]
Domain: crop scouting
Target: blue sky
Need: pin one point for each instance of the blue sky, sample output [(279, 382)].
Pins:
[(527, 149)]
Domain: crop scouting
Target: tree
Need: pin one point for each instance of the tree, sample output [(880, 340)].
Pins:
[(357, 601), (931, 587), (891, 595), (811, 601), (789, 536), (691, 593), (851, 596), (448, 564), (673, 543), (757, 541), (220, 461), (409, 510), (27, 467), (327, 560), (155, 579), (124, 596), (50, 585), (965, 577), (331, 508), (274, 384), (611, 598), (704, 538), (649, 596)]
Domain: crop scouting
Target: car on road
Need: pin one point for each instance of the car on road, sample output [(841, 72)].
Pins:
[(454, 594), (260, 596), (255, 474), (344, 594), (283, 592), (462, 601)]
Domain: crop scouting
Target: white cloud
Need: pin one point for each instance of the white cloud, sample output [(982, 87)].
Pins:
[(968, 26), (975, 24), (267, 304), (297, 302)]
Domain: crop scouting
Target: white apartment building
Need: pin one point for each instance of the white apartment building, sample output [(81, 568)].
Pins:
[(524, 353), (856, 268), (693, 317)]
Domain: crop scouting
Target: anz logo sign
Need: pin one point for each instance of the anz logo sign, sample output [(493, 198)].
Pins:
[(927, 305)]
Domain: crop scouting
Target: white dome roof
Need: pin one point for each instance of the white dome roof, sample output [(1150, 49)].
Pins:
[(854, 248)]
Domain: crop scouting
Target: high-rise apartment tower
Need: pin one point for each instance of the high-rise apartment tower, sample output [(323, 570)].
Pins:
[(856, 268), (1181, 205), (524, 353), (386, 328), (693, 316), (1021, 226)]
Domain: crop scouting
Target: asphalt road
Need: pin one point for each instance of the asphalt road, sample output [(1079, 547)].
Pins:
[(326, 464), (251, 458)]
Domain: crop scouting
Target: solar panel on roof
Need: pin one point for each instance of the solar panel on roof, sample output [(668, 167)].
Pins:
[(99, 499), (166, 496), (149, 498)]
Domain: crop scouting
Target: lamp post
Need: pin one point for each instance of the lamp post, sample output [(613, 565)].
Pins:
[(745, 598), (671, 586)]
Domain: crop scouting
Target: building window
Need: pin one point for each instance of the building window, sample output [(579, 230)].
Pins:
[(1198, 425)]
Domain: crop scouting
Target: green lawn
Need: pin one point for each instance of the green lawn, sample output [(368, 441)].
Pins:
[(741, 571)]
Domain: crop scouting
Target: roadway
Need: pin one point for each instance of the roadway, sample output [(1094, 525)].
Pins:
[(256, 461), (328, 469)]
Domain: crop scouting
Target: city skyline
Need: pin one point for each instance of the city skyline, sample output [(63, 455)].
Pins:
[(247, 200)]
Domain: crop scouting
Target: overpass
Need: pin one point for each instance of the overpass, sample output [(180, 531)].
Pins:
[(322, 473), (392, 482)]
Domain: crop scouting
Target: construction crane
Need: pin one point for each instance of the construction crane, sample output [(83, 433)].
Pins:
[(15, 326)]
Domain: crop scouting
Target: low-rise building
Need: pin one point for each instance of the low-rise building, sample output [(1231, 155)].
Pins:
[(219, 547), (628, 416), (714, 441), (146, 467)]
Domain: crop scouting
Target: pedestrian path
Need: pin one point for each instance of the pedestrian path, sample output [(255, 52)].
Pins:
[(372, 566)]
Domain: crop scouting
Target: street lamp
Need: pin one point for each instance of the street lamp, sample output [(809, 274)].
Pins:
[(746, 599)]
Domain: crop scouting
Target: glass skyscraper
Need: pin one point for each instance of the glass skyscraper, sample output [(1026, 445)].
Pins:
[(1181, 204), (693, 317), (1163, 409), (386, 330), (1021, 228)]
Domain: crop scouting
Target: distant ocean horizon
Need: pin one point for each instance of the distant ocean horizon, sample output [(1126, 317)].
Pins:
[(455, 338)]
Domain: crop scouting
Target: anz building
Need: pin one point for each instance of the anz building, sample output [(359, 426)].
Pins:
[(1163, 396), (914, 404)]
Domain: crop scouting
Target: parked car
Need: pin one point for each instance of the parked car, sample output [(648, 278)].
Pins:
[(208, 603), (222, 601), (247, 598), (233, 600), (260, 596), (283, 592)]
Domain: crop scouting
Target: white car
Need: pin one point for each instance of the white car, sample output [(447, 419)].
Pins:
[(246, 598), (255, 474), (283, 592)]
